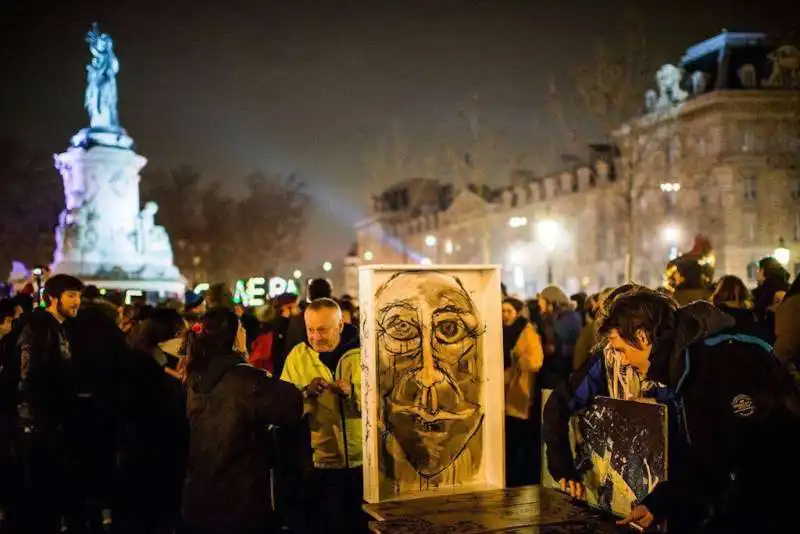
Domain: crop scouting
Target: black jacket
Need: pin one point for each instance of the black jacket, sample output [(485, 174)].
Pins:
[(230, 406), (735, 415), (46, 385)]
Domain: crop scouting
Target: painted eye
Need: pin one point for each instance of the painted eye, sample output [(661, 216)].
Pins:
[(450, 331), (401, 330)]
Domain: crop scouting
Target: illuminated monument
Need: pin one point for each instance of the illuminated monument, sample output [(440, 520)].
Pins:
[(103, 235)]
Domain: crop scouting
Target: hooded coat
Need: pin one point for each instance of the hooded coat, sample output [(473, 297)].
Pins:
[(230, 406), (734, 415)]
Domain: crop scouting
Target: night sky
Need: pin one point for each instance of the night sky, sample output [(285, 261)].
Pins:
[(323, 87)]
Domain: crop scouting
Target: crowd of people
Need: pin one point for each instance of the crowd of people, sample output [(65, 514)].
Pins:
[(722, 357), (142, 419), (206, 417)]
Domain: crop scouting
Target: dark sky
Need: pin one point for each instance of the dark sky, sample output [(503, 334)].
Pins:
[(318, 87)]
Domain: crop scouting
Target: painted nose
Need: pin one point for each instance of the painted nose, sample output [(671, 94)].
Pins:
[(428, 376)]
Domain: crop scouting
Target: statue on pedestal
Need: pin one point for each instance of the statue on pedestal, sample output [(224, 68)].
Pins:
[(101, 81)]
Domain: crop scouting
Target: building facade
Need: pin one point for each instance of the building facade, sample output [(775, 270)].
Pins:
[(717, 152)]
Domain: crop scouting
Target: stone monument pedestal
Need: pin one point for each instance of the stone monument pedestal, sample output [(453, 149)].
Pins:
[(103, 236)]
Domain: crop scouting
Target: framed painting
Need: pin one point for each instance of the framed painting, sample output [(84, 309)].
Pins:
[(432, 380), (620, 449)]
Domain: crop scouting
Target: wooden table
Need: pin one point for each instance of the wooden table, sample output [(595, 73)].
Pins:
[(529, 509)]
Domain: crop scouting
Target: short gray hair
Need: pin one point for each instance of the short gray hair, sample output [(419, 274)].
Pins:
[(323, 304)]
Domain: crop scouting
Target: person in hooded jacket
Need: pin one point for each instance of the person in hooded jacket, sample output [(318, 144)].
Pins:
[(734, 415), (328, 371), (230, 407)]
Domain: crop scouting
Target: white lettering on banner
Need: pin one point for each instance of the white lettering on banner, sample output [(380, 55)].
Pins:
[(251, 292), (255, 291)]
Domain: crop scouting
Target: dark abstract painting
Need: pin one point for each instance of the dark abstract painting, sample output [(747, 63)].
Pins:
[(620, 448)]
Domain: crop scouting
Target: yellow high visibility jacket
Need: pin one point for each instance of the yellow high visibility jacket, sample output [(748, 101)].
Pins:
[(335, 420)]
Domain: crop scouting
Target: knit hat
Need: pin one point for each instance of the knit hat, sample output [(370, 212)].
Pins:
[(555, 295), (192, 300)]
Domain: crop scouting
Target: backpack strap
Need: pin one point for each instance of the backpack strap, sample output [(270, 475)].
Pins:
[(741, 338)]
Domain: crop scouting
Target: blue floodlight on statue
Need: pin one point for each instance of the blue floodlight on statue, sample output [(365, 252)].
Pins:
[(104, 235)]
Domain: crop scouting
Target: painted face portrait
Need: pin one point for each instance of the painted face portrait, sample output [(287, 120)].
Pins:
[(430, 363)]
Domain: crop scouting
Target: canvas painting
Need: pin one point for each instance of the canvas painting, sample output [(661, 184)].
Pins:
[(432, 380), (620, 447)]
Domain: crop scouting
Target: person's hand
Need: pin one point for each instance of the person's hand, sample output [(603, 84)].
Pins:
[(317, 387), (341, 387), (575, 489), (640, 516)]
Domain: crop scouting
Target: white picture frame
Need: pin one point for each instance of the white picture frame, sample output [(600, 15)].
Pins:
[(432, 380)]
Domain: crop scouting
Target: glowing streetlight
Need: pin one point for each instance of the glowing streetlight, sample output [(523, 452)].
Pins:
[(782, 254), (368, 256), (671, 234), (297, 274), (430, 240), (670, 187), (327, 266), (517, 222), (426, 261)]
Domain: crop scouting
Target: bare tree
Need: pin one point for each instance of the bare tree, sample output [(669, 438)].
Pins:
[(610, 89)]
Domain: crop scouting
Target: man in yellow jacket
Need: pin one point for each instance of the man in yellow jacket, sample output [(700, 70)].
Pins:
[(327, 370)]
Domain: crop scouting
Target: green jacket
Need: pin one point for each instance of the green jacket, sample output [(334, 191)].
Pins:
[(335, 421)]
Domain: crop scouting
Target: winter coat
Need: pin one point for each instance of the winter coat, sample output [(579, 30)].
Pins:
[(230, 406), (685, 296), (335, 421), (526, 359), (561, 332), (152, 452), (734, 417), (261, 352), (46, 386)]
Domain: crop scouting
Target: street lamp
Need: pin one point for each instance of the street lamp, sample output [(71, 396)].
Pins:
[(670, 187), (517, 222), (327, 266), (430, 240), (548, 233), (782, 254), (368, 256), (297, 274)]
